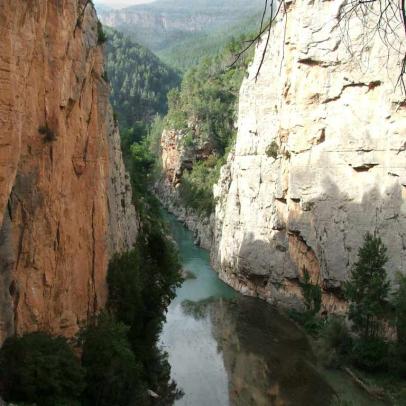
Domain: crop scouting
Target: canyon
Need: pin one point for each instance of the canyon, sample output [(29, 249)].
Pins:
[(319, 159), (65, 197)]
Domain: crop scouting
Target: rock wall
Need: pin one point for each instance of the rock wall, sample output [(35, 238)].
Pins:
[(320, 158), (177, 158), (65, 200)]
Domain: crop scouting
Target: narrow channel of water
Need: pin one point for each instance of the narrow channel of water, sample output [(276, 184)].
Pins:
[(226, 349)]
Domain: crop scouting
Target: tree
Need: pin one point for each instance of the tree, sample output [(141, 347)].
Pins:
[(112, 371), (368, 288), (399, 358), (42, 369)]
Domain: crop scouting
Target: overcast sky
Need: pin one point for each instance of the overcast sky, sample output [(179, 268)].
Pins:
[(121, 3)]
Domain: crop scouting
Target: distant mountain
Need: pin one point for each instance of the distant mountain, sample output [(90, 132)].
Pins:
[(139, 80), (114, 4), (184, 25)]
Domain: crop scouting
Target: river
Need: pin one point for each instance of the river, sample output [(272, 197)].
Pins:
[(227, 349)]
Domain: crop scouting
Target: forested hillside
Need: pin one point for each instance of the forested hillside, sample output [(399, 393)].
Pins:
[(203, 112), (180, 31), (139, 80)]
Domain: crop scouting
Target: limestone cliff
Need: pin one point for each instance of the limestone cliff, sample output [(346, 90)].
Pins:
[(177, 157), (320, 158), (65, 200)]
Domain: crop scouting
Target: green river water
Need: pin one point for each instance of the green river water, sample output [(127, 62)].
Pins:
[(226, 349)]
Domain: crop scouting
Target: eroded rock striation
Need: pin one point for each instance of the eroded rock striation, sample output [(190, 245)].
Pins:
[(320, 159), (65, 199)]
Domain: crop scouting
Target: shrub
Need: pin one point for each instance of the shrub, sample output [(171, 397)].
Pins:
[(368, 288), (311, 294), (47, 133), (196, 188), (313, 325), (370, 354), (101, 36), (335, 342), (188, 140), (273, 150), (398, 350), (112, 371), (125, 286), (38, 368)]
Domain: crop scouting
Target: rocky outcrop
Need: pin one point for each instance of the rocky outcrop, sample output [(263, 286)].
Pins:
[(65, 200), (320, 158), (178, 156)]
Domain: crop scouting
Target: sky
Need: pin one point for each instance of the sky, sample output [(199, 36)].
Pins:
[(121, 3)]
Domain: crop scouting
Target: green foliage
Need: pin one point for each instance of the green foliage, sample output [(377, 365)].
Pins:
[(139, 80), (311, 294), (112, 371), (398, 349), (142, 283), (208, 96), (368, 288), (335, 343), (400, 309), (195, 29), (154, 136), (190, 51), (370, 354), (312, 300), (176, 117), (47, 133), (101, 36), (196, 188), (42, 369), (272, 150), (312, 324), (204, 108)]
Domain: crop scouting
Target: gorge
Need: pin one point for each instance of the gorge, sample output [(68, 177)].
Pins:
[(285, 159), (318, 161)]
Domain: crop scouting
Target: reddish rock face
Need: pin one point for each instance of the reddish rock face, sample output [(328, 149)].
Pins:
[(65, 202)]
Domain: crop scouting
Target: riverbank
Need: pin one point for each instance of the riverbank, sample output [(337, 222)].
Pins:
[(227, 349)]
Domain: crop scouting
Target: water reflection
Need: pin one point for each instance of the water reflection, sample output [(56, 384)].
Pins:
[(225, 349), (268, 360)]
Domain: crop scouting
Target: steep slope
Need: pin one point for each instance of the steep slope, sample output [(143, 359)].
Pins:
[(320, 159), (65, 199), (139, 80), (199, 128), (182, 31)]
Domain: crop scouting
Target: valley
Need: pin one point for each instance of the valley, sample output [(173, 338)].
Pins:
[(196, 213)]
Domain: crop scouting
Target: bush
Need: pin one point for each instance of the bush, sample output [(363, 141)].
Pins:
[(312, 300), (196, 189), (370, 354), (311, 293), (273, 150), (398, 350), (48, 134), (101, 36), (125, 287), (112, 371), (38, 368), (335, 342)]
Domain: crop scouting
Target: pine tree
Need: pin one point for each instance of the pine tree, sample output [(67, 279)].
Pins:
[(368, 288)]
